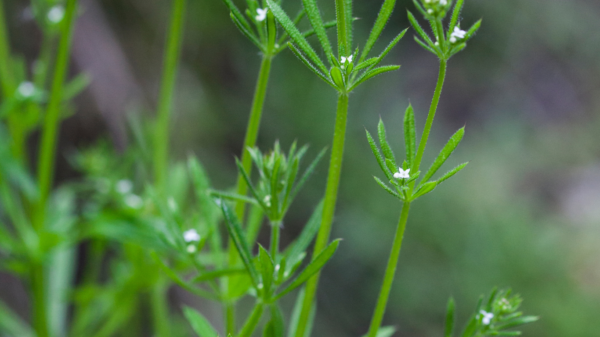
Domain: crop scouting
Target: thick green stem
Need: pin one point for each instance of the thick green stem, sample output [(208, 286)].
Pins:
[(165, 100), (434, 104), (390, 272), (331, 192), (50, 129), (252, 321), (275, 229)]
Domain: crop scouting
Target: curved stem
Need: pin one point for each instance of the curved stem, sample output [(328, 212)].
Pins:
[(252, 321), (165, 101), (333, 182), (390, 272), (434, 104)]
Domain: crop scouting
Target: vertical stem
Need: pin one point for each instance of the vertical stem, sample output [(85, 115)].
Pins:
[(165, 100), (252, 321), (39, 301), (333, 182), (342, 26), (430, 116), (390, 271), (275, 229), (6, 76), (252, 130), (242, 189), (50, 129), (160, 309)]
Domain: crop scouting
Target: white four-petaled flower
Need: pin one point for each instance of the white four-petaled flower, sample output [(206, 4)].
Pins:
[(486, 317), (56, 14), (191, 235), (261, 14), (402, 174), (457, 34), (347, 59)]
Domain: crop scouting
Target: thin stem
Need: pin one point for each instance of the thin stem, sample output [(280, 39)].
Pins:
[(49, 133), (434, 104), (331, 192), (275, 229), (249, 141), (252, 321), (165, 101), (390, 272), (38, 291), (160, 309), (6, 75)]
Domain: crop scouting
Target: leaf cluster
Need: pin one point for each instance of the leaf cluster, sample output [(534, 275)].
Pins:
[(445, 43), (405, 189), (348, 69)]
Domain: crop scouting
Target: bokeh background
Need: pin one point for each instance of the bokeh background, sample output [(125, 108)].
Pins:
[(524, 213)]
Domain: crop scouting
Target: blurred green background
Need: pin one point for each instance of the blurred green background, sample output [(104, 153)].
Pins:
[(523, 214)]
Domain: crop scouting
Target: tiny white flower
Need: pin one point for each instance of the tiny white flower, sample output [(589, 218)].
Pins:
[(277, 267), (191, 249), (443, 2), (430, 11), (26, 89), (191, 235), (457, 34), (261, 14), (267, 200), (124, 186), (486, 317), (347, 59), (134, 201), (56, 14), (402, 174)]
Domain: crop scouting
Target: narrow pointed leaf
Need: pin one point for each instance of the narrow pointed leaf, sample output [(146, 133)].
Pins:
[(246, 31), (451, 173), (295, 34), (182, 283), (296, 316), (250, 186), (410, 135), (387, 189), (385, 331), (266, 268), (378, 156), (314, 16), (445, 153), (385, 146), (372, 73), (199, 323), (306, 236), (311, 168), (236, 12), (389, 48), (455, 15), (314, 267), (418, 29), (450, 317), (367, 63), (380, 22), (237, 235), (234, 197), (424, 189), (310, 66), (215, 274), (426, 47)]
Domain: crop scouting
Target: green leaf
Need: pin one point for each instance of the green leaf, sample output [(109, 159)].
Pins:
[(380, 22), (451, 173), (237, 14), (250, 186), (310, 65), (385, 331), (313, 268), (378, 156), (418, 29), (296, 316), (275, 327), (306, 236), (76, 86), (450, 317), (311, 168), (470, 328), (372, 73), (233, 197), (455, 14), (266, 268), (171, 274), (199, 323), (295, 34), (445, 153), (424, 189), (389, 47), (314, 16), (473, 30), (367, 63), (410, 135), (237, 235), (11, 324), (338, 77), (387, 189), (246, 31), (385, 146), (422, 44)]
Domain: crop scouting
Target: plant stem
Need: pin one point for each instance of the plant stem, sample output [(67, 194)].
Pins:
[(165, 100), (434, 104), (390, 272), (242, 189), (39, 301), (160, 308), (252, 321), (49, 133), (6, 75), (342, 28), (252, 130), (333, 182), (275, 229)]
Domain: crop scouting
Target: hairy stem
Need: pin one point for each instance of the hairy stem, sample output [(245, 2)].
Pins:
[(390, 272), (165, 100), (252, 321), (331, 192), (434, 104)]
